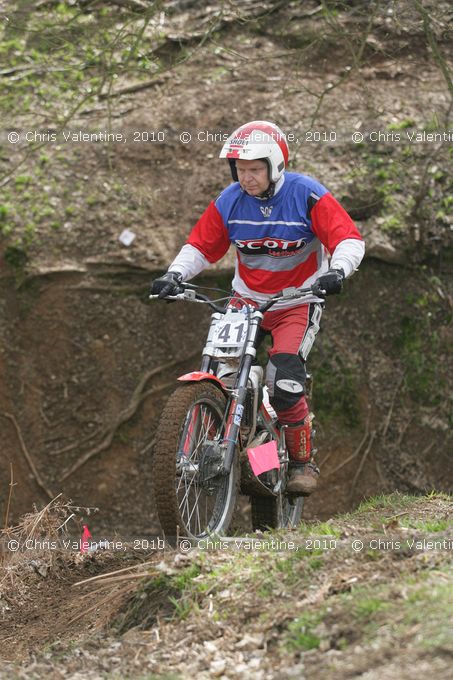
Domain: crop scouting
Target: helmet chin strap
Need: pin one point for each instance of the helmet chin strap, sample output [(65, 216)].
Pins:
[(268, 193)]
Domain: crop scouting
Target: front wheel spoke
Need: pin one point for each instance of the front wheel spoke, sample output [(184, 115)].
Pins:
[(188, 486), (203, 432), (194, 507), (187, 504), (198, 519), (189, 480), (194, 453), (182, 503), (191, 506), (200, 508)]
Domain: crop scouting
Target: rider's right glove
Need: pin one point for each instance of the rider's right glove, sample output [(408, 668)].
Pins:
[(329, 283), (168, 284)]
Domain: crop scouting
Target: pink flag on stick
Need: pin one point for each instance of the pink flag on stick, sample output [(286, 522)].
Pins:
[(85, 540), (263, 458)]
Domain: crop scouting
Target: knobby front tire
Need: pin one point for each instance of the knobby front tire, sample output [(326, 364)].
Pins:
[(192, 417)]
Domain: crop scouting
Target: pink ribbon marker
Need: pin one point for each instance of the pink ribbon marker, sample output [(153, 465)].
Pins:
[(263, 458), (85, 540)]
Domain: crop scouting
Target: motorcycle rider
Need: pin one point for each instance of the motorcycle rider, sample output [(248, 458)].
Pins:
[(288, 230)]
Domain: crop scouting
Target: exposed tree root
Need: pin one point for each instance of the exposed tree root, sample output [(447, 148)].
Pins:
[(138, 396), (27, 455)]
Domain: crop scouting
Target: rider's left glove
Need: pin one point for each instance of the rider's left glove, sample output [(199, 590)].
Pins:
[(168, 284), (329, 283)]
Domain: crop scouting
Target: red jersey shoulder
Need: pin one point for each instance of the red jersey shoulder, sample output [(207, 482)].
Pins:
[(331, 223), (209, 235)]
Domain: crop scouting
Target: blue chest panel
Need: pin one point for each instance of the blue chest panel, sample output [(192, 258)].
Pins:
[(279, 223)]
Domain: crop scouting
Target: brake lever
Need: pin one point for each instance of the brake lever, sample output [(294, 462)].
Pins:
[(290, 292), (293, 292)]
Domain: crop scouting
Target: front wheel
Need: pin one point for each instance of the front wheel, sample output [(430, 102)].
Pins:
[(191, 499), (276, 512)]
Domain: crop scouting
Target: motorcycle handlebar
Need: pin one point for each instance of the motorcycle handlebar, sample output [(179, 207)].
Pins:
[(191, 295)]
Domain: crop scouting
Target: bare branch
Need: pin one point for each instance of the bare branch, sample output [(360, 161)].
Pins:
[(438, 56), (362, 462), (10, 493), (27, 455)]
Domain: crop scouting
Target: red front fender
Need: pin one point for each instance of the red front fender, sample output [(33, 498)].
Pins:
[(197, 376)]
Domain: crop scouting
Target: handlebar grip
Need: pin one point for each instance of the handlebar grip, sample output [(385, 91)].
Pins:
[(180, 296)]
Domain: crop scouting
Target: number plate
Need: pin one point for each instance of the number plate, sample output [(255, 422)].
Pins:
[(230, 331)]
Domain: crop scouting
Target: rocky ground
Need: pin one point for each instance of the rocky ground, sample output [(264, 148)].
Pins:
[(367, 593)]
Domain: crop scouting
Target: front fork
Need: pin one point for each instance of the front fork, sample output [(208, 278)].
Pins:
[(235, 413), (237, 400)]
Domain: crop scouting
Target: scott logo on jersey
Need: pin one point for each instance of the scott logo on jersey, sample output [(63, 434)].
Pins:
[(276, 247)]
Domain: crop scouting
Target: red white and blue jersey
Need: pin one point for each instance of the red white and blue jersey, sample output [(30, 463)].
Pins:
[(282, 241)]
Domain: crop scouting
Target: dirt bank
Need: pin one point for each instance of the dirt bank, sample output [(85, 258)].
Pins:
[(87, 363)]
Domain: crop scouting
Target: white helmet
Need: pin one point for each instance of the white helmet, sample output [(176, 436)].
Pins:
[(258, 140)]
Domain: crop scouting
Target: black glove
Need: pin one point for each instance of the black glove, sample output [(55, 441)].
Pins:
[(168, 284), (329, 283)]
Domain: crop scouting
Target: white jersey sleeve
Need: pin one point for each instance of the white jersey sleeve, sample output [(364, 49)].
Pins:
[(189, 262), (348, 255)]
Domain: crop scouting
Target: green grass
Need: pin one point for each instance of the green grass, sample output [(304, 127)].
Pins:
[(429, 605), (425, 599), (368, 606), (164, 596), (184, 578), (392, 501), (400, 597), (402, 124), (301, 633), (325, 529), (428, 526)]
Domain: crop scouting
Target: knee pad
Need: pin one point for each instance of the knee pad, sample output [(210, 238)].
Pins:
[(285, 380)]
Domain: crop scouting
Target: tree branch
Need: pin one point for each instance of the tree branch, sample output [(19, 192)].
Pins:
[(438, 56)]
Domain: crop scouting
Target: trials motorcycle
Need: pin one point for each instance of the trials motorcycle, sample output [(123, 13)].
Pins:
[(218, 435)]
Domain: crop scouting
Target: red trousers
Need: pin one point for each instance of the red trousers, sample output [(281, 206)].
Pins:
[(293, 332)]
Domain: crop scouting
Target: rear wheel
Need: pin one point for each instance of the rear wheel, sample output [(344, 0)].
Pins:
[(191, 499), (276, 512)]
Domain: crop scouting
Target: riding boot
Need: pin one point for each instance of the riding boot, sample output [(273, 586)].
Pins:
[(303, 473)]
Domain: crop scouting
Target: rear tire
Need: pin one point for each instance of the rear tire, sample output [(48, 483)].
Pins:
[(192, 417), (275, 512)]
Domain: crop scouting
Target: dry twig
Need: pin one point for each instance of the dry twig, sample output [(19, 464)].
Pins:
[(362, 462), (356, 452), (38, 517), (389, 414), (130, 89), (28, 457), (101, 603), (101, 577), (379, 472), (10, 493)]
